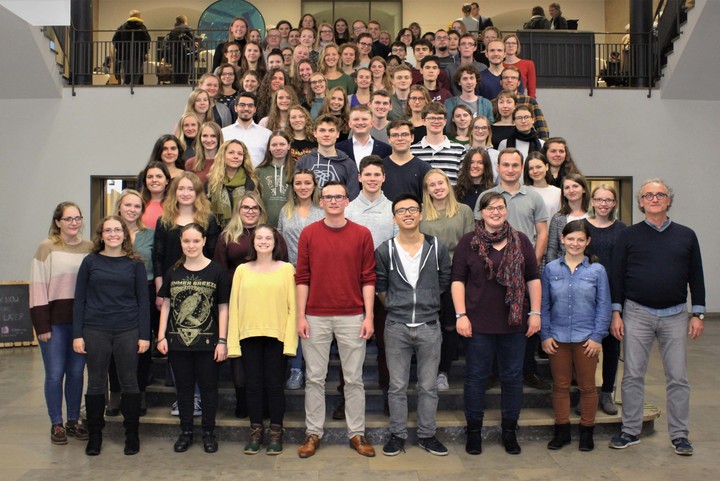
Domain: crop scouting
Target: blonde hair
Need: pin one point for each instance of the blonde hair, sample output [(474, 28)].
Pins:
[(216, 176), (180, 133), (190, 107), (200, 158), (125, 193), (291, 205), (201, 208), (235, 228), (274, 115), (452, 208)]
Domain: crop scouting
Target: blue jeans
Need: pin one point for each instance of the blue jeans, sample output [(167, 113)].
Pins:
[(480, 352), (62, 364), (400, 344)]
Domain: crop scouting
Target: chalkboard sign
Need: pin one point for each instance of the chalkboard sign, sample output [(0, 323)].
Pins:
[(15, 323)]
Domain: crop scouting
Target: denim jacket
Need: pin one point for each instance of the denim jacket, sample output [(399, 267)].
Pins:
[(575, 305)]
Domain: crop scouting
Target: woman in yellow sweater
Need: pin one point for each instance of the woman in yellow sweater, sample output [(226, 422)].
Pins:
[(262, 330)]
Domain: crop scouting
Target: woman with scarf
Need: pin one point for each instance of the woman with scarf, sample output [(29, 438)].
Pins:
[(494, 274), (524, 137), (231, 175)]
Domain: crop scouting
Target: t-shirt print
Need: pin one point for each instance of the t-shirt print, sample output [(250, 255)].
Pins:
[(192, 309)]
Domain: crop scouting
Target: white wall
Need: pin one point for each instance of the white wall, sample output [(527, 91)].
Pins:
[(51, 147)]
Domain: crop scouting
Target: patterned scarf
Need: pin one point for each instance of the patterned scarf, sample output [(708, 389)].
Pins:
[(510, 271)]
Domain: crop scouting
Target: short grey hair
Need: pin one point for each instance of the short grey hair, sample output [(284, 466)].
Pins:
[(656, 180)]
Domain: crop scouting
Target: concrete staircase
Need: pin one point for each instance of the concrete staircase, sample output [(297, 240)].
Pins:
[(536, 419)]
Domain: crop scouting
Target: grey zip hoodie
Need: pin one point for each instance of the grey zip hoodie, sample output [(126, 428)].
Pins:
[(405, 304)]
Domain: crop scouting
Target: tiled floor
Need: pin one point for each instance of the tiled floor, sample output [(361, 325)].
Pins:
[(26, 453)]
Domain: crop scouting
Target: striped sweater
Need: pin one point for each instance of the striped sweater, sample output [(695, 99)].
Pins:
[(446, 156), (52, 283)]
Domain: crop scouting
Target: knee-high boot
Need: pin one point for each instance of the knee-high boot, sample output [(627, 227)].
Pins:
[(95, 409), (130, 407)]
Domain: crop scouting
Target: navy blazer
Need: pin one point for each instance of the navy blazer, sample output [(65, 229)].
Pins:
[(380, 149)]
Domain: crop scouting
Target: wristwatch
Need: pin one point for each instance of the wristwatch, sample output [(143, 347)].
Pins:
[(699, 315), (460, 314)]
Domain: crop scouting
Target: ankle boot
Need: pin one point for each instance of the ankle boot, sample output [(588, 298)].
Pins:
[(143, 404), (94, 409), (275, 439), (509, 436), (130, 407), (240, 403), (473, 430), (561, 437), (586, 438), (113, 404)]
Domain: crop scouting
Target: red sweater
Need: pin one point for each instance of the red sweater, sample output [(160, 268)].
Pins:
[(340, 262)]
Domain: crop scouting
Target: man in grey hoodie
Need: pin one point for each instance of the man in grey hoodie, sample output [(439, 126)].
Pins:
[(328, 163), (412, 270)]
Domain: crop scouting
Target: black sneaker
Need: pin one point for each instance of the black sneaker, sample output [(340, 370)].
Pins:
[(433, 446), (394, 446), (682, 446)]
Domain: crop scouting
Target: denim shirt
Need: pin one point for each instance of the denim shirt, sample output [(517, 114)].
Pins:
[(575, 305)]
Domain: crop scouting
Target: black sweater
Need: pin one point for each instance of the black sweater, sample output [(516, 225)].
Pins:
[(655, 268)]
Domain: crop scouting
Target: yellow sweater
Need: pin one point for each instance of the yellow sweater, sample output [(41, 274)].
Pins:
[(263, 304)]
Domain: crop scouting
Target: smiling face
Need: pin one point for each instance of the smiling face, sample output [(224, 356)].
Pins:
[(294, 38), (211, 86), (202, 103), (417, 101), (254, 36), (537, 169), (208, 138), (192, 243), (155, 181), (279, 147), (112, 233), (227, 76), (435, 123), (437, 187), (575, 243), (277, 81), (506, 106), (283, 100), (331, 57), (234, 156), (380, 106), (297, 119), (305, 71), (190, 127), (252, 52), (249, 212), (303, 186), (318, 84), (510, 80), (477, 168), (378, 69), (556, 154), (371, 178), (238, 29), (333, 200), (462, 119), (130, 208), (185, 193), (480, 131), (264, 240), (363, 79), (250, 83), (510, 167), (69, 230), (169, 153), (603, 202), (275, 61), (495, 52), (494, 215), (468, 82), (307, 38), (360, 122), (336, 102), (655, 206), (348, 56), (572, 191), (405, 219), (402, 80), (400, 139)]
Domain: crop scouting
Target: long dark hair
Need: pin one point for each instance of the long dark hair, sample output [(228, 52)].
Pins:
[(464, 181), (526, 168), (156, 154), (153, 164), (277, 248)]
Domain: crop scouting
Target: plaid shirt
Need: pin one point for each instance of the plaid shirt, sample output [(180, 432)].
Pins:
[(540, 122)]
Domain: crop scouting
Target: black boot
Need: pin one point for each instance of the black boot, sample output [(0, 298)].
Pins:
[(473, 445), (240, 403), (509, 436), (130, 407), (586, 438), (561, 437), (94, 409)]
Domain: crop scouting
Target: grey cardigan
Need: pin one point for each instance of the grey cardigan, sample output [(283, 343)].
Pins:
[(405, 304)]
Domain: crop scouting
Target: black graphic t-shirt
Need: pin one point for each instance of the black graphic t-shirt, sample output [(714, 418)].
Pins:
[(194, 299)]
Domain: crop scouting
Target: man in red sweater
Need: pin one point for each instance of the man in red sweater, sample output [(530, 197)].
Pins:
[(337, 255)]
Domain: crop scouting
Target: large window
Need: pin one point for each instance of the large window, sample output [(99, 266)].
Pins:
[(388, 13)]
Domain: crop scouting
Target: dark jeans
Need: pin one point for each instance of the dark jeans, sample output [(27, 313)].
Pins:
[(450, 337), (481, 350), (101, 346), (611, 355), (264, 365), (199, 367), (531, 349)]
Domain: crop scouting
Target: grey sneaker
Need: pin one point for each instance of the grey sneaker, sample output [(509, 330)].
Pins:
[(607, 405), (682, 446), (174, 410), (295, 381), (442, 382), (433, 446), (623, 440)]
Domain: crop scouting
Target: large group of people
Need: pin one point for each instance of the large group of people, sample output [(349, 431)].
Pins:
[(354, 189)]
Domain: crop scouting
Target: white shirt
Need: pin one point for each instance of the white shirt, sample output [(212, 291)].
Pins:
[(255, 137), (361, 151), (411, 264)]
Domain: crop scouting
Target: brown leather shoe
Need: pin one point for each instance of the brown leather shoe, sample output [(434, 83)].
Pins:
[(309, 446), (360, 444)]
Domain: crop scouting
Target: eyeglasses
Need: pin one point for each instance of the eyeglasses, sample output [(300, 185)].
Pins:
[(112, 230), (400, 135), (499, 209), (326, 31), (234, 52), (249, 208), (407, 210), (435, 119), (605, 201), (227, 74), (71, 220), (523, 118), (480, 127), (658, 196), (336, 198), (317, 82), (365, 44), (416, 99), (245, 105), (442, 38)]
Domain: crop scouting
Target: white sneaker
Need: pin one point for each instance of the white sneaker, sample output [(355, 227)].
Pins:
[(197, 407), (442, 382), (174, 410), (295, 381)]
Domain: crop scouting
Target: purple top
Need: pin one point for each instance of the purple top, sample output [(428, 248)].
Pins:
[(485, 298)]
